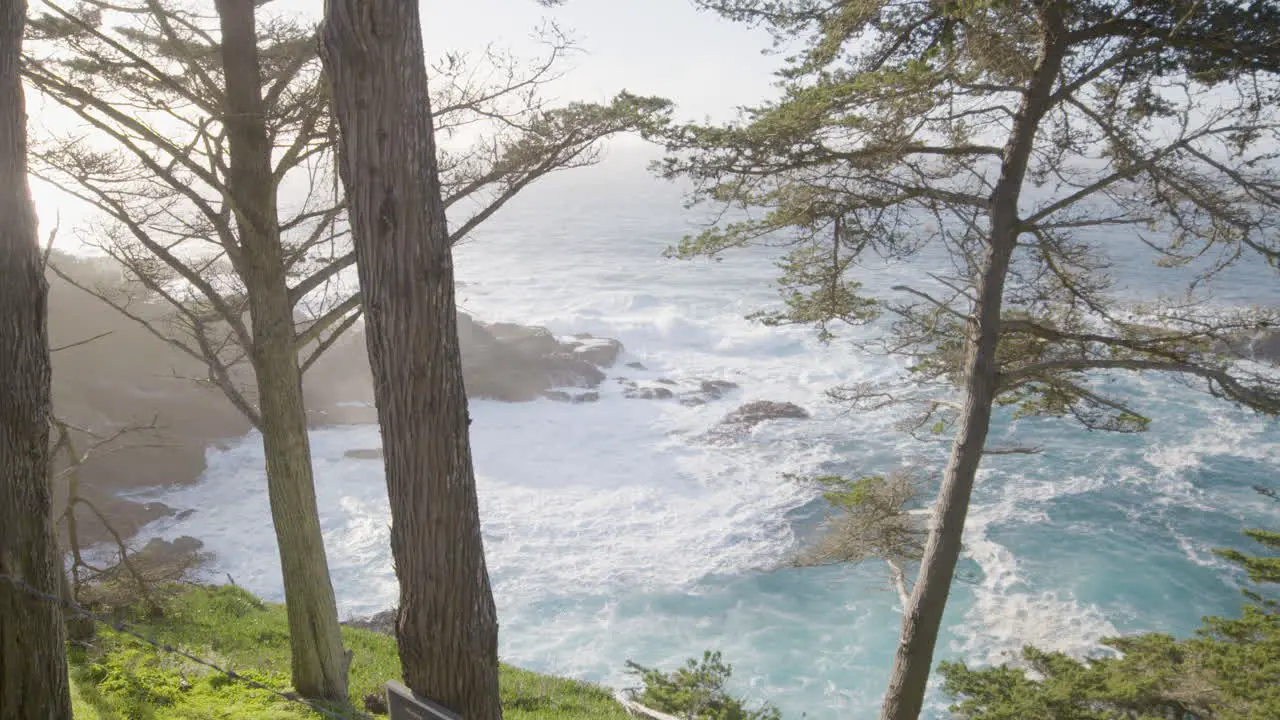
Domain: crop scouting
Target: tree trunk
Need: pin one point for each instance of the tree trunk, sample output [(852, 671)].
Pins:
[(447, 625), (922, 617), (33, 664), (319, 663)]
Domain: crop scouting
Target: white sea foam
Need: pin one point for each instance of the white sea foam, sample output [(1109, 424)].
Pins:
[(613, 532)]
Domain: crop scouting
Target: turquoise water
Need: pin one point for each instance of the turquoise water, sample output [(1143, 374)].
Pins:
[(613, 533)]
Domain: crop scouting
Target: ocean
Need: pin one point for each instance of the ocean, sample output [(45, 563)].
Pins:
[(614, 532)]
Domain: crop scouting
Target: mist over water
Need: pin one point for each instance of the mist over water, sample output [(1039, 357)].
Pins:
[(613, 532)]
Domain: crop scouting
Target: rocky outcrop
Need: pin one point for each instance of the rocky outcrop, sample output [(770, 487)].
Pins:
[(500, 361), (577, 398), (716, 389), (383, 622), (183, 549), (741, 421), (648, 392), (602, 352), (163, 560), (517, 363), (143, 411), (754, 413), (688, 392), (128, 378), (1263, 346)]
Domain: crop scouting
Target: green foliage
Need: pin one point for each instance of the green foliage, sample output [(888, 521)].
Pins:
[(870, 519), (135, 676), (1260, 569), (815, 296), (118, 677), (850, 493), (696, 691), (1230, 670), (1006, 148), (890, 132), (527, 695)]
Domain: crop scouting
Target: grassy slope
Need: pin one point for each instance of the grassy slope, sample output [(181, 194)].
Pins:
[(120, 678)]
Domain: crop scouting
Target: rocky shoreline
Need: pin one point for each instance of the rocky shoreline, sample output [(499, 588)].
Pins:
[(159, 413), (142, 414)]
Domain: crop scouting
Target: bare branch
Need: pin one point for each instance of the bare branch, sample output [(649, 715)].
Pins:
[(314, 281), (1013, 451), (899, 581), (334, 335), (48, 244), (78, 343)]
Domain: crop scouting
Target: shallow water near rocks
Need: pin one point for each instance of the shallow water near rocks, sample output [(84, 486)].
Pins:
[(615, 532)]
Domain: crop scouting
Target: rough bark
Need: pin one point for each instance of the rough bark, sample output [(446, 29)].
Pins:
[(319, 663), (923, 614), (33, 666), (447, 625)]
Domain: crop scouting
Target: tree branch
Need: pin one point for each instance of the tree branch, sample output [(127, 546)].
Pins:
[(1266, 401)]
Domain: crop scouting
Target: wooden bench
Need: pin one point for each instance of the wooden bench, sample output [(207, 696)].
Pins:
[(405, 704)]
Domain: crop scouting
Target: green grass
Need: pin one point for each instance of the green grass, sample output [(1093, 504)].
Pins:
[(117, 677)]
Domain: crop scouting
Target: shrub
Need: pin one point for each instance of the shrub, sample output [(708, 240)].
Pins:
[(696, 691)]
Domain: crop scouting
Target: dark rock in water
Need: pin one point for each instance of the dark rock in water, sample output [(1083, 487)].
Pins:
[(500, 361), (181, 545), (575, 398), (637, 366), (168, 559), (383, 622), (701, 392), (1267, 347), (648, 393), (754, 413), (525, 339), (602, 352), (739, 422), (716, 389), (1262, 345), (364, 454), (517, 363), (569, 370), (185, 514)]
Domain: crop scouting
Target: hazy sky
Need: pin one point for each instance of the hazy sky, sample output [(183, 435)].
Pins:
[(657, 47), (707, 65)]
